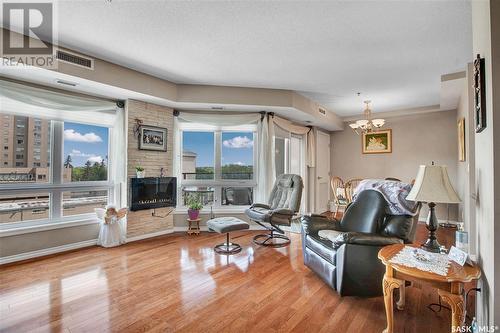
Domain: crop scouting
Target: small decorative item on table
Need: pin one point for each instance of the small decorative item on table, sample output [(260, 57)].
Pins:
[(194, 205), (193, 226), (403, 263), (139, 172)]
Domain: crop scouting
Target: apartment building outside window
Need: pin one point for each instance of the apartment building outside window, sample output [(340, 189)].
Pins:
[(79, 153)]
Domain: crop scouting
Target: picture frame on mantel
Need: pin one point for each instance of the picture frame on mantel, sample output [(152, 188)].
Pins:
[(479, 94), (378, 142), (152, 138), (461, 139)]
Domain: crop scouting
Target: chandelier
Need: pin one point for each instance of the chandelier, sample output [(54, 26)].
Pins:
[(367, 124)]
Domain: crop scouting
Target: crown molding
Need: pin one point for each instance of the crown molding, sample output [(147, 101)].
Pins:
[(398, 113)]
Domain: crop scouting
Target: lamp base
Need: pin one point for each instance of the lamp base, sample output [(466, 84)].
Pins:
[(431, 244)]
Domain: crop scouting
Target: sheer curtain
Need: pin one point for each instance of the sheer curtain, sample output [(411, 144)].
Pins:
[(25, 100), (266, 162)]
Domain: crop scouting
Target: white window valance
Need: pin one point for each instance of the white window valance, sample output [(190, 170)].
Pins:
[(219, 120), (288, 126), (25, 100)]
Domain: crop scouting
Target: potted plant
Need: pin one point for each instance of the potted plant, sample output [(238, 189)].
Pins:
[(194, 207), (139, 172)]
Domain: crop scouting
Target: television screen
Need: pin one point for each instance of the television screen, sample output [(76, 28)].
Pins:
[(153, 192)]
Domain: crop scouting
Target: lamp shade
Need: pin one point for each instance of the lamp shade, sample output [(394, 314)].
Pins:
[(433, 185)]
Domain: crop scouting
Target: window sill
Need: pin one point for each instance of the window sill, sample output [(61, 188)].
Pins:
[(13, 229), (219, 210)]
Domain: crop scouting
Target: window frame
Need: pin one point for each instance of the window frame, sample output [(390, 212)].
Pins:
[(217, 183), (56, 185)]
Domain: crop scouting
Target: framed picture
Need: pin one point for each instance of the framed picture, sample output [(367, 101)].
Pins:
[(152, 138), (479, 94), (378, 142), (461, 139)]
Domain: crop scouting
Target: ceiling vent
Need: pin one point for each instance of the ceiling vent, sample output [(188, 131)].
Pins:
[(75, 59), (322, 111)]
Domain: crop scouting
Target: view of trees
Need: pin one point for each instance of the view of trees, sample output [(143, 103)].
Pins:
[(229, 171), (89, 172)]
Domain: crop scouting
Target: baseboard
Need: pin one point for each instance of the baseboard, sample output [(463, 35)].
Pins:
[(48, 251), (150, 235)]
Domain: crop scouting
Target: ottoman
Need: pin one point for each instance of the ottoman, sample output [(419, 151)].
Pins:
[(226, 225)]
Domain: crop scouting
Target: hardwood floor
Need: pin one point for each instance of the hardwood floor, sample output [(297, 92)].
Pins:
[(176, 283)]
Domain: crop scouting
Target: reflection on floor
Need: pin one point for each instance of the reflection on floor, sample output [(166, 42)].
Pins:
[(176, 283)]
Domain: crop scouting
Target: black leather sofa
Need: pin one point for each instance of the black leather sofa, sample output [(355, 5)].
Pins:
[(347, 259)]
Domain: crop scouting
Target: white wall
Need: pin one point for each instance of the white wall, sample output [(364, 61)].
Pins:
[(465, 170), (486, 42)]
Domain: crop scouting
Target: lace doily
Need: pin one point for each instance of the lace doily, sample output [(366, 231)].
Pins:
[(432, 262)]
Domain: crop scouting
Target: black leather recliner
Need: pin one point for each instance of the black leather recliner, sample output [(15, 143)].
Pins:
[(344, 253)]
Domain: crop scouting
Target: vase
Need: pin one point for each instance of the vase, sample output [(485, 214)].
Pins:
[(193, 213), (140, 174)]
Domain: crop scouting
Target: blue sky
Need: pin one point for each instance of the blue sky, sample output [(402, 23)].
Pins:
[(237, 147), (85, 142)]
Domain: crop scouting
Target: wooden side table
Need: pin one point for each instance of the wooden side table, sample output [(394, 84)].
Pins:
[(193, 226), (450, 287)]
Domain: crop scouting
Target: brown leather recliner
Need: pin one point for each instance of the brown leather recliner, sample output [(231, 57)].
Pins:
[(344, 253)]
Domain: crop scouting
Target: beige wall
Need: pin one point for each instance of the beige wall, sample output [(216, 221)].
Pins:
[(142, 222), (35, 241), (486, 42), (416, 140)]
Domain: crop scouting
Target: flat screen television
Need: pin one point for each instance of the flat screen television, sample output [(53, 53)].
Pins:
[(153, 192)]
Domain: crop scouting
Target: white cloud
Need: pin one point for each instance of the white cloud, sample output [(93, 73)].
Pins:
[(239, 163), (93, 159), (77, 153), (238, 142), (72, 135)]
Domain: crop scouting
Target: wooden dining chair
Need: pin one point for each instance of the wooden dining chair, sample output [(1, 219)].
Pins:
[(339, 194), (350, 186), (393, 179)]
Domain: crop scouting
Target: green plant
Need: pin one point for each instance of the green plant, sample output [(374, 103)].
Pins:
[(139, 168), (194, 203)]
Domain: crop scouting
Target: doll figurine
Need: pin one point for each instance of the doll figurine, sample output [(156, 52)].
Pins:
[(113, 226), (112, 215)]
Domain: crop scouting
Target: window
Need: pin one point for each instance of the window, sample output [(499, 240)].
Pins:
[(289, 155), (85, 153), (76, 203), (82, 157), (280, 155), (217, 165), (23, 207), (198, 155), (237, 155)]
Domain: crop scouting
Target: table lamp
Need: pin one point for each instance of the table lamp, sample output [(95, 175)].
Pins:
[(432, 186)]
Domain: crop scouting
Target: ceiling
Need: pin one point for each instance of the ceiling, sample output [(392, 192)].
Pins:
[(392, 52)]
